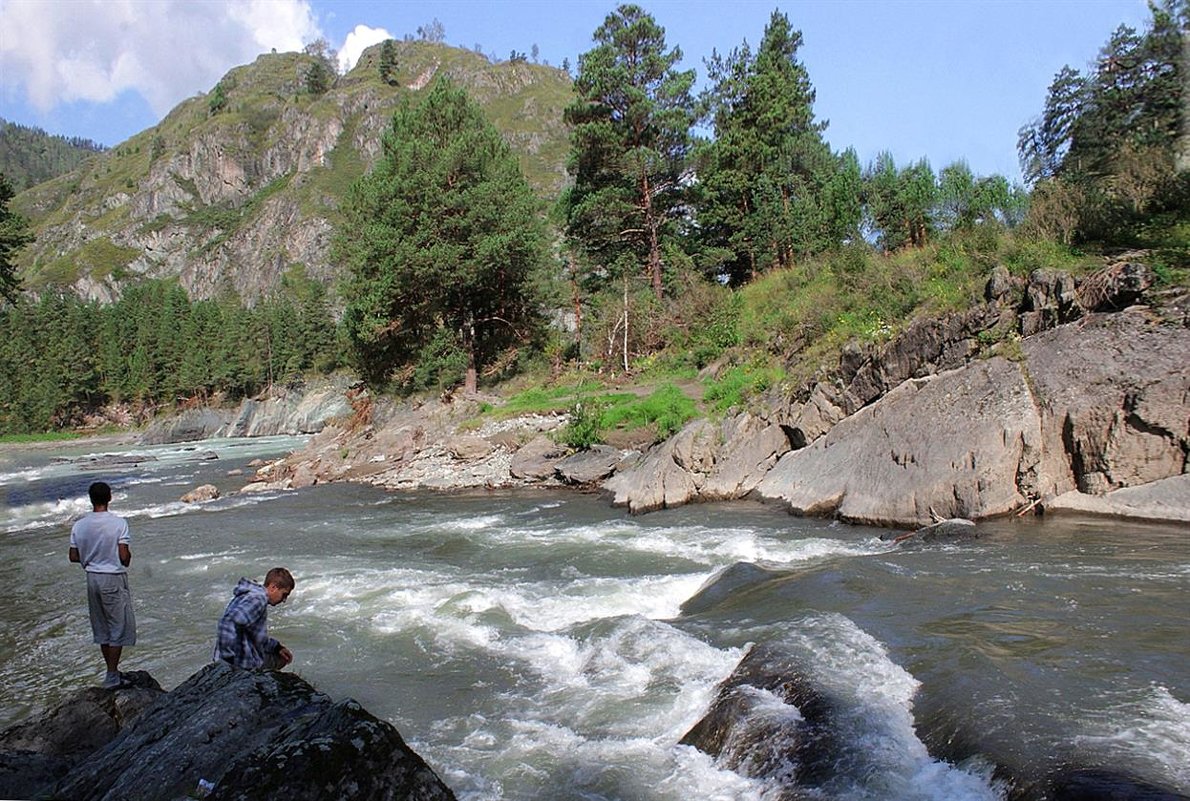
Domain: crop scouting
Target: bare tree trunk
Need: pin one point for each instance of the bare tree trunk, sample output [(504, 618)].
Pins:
[(626, 324), (1183, 147), (577, 298), (471, 381), (651, 226)]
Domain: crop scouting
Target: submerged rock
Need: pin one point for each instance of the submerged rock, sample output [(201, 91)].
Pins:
[(723, 584), (245, 734), (205, 492), (1094, 784), (769, 721)]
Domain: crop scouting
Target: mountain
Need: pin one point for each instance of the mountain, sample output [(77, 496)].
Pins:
[(236, 188), (29, 155)]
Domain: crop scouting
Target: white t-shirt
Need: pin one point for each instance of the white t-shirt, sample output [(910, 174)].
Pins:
[(97, 536)]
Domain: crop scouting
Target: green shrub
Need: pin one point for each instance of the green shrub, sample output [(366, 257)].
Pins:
[(586, 425)]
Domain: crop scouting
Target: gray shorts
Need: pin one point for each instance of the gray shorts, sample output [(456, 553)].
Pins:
[(110, 603)]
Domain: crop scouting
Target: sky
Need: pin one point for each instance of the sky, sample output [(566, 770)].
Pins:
[(938, 79)]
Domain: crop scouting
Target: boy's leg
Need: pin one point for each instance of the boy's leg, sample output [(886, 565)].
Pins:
[(111, 656)]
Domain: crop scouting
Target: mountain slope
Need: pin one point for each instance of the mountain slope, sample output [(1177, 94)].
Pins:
[(29, 155), (234, 188)]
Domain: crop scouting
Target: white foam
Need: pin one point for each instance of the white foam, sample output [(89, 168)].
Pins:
[(884, 758), (1153, 730)]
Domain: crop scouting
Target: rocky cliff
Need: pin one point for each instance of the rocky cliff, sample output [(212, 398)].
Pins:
[(233, 189), (225, 733), (1054, 394), (303, 408), (978, 414)]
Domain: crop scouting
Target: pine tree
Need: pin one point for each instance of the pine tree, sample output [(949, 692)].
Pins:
[(630, 146), (440, 242), (388, 62), (769, 181), (14, 235)]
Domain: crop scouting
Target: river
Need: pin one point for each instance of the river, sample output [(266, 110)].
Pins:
[(531, 645)]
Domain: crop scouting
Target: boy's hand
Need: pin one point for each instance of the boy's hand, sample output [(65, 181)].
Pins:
[(285, 654)]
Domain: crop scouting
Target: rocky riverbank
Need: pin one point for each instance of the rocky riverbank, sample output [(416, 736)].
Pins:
[(1054, 395), (225, 733)]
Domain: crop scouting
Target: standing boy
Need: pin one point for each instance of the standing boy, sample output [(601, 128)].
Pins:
[(99, 541), (242, 638)]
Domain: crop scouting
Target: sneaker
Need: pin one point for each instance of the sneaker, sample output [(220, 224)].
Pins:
[(112, 681)]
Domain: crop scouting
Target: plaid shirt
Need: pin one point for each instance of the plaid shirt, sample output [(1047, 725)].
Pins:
[(242, 636)]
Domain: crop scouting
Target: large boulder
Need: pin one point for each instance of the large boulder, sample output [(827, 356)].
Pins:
[(587, 467), (203, 492), (1167, 500), (37, 753), (251, 734), (537, 459), (958, 444), (670, 474), (1114, 397)]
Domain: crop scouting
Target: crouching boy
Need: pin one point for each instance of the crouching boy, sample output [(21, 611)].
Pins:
[(242, 638)]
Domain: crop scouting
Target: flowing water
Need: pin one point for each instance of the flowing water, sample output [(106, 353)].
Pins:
[(531, 645)]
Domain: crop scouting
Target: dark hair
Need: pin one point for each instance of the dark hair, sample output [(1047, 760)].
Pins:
[(279, 577), (101, 494)]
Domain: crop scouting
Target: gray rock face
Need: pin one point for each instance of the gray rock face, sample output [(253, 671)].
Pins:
[(298, 410), (537, 459), (288, 410), (186, 426), (38, 753), (952, 445), (1094, 406), (589, 466), (1114, 395), (253, 735)]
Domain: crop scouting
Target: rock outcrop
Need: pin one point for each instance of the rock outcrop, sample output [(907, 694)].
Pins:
[(38, 753), (244, 735), (957, 417), (1095, 405), (299, 409)]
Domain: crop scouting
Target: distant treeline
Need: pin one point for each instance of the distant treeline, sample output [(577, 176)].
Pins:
[(62, 357), (29, 155)]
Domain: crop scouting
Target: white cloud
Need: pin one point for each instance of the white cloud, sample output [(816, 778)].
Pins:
[(357, 42), (166, 50)]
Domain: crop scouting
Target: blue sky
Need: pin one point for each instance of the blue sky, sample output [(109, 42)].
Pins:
[(922, 78)]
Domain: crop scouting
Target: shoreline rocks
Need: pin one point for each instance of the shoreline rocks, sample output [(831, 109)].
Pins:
[(241, 734), (958, 416)]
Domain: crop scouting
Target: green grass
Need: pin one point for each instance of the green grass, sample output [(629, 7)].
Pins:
[(98, 258), (667, 408), (47, 436), (737, 384)]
